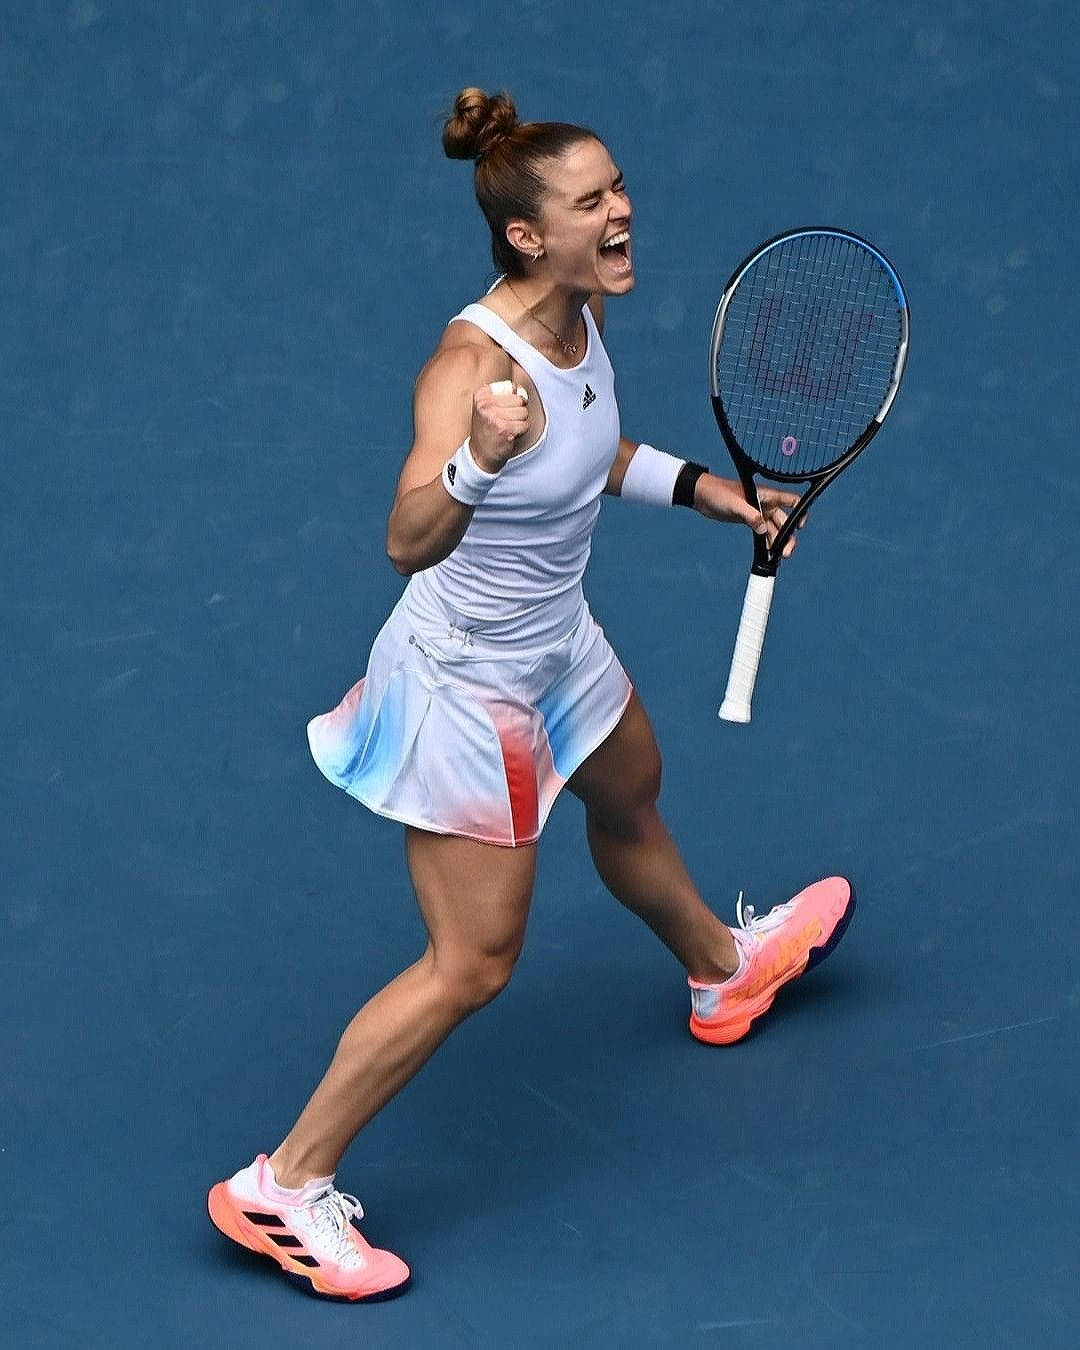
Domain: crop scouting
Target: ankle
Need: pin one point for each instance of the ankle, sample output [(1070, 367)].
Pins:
[(714, 974), (718, 965), (291, 1174)]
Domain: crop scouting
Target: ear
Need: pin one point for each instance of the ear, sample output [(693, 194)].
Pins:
[(522, 235)]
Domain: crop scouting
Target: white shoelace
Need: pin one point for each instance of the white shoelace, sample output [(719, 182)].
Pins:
[(751, 922), (329, 1225), (751, 927)]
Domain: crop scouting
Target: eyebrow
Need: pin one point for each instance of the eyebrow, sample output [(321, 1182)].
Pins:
[(595, 192)]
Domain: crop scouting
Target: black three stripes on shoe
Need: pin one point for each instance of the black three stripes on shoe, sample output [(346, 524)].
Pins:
[(280, 1239)]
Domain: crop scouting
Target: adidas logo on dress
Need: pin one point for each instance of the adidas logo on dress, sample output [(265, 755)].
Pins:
[(589, 398)]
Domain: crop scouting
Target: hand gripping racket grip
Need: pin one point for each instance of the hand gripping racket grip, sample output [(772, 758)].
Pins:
[(748, 643)]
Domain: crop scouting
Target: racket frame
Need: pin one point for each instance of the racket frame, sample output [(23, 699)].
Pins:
[(767, 559), (766, 563)]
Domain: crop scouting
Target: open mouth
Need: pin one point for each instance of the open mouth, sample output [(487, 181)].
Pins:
[(616, 252)]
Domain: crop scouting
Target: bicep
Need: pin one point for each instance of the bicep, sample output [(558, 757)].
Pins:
[(442, 412), (424, 462)]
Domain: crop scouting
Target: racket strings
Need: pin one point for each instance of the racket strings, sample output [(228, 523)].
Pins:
[(811, 339), (789, 347), (782, 373)]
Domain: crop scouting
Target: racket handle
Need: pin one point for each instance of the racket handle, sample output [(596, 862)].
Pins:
[(748, 644)]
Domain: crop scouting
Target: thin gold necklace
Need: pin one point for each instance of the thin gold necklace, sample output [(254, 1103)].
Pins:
[(570, 348)]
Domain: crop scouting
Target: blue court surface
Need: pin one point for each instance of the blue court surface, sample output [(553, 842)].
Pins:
[(229, 240)]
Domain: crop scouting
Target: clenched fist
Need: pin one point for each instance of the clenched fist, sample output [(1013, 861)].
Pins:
[(499, 417)]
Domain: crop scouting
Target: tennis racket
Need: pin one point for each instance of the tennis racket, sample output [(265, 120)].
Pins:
[(807, 351)]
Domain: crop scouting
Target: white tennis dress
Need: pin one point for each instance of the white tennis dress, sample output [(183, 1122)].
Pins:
[(490, 683)]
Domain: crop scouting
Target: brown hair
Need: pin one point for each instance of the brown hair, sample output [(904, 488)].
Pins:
[(509, 157)]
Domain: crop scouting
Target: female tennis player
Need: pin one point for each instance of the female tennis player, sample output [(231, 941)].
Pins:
[(491, 686)]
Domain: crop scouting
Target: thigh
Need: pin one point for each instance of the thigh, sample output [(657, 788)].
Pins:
[(622, 775), (473, 897)]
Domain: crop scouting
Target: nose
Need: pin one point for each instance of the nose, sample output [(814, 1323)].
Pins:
[(621, 208)]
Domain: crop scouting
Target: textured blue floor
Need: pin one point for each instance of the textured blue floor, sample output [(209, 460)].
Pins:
[(228, 241)]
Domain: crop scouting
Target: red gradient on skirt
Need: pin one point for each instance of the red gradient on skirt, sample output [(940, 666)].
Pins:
[(520, 767)]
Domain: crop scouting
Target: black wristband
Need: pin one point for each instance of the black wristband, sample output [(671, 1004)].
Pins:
[(683, 492)]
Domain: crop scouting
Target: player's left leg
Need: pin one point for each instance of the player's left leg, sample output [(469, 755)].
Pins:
[(635, 855), (734, 973)]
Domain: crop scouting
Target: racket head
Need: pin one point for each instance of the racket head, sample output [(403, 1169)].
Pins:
[(807, 352)]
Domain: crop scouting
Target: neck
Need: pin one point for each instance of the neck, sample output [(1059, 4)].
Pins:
[(556, 309)]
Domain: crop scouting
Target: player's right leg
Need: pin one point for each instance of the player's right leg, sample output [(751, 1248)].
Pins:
[(474, 899)]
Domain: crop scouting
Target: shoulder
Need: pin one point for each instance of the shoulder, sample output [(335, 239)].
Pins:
[(596, 305), (464, 359)]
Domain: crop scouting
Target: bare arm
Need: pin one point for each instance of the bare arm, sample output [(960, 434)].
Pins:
[(617, 472), (721, 498), (714, 497), (453, 400)]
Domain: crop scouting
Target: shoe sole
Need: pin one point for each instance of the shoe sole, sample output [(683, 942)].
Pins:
[(733, 1031), (225, 1219), (818, 954)]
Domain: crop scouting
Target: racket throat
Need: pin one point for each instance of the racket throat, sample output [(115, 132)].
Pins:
[(766, 559)]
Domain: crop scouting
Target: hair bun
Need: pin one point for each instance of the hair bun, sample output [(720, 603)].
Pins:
[(478, 122)]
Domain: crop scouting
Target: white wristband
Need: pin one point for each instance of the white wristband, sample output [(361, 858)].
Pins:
[(650, 476), (464, 479)]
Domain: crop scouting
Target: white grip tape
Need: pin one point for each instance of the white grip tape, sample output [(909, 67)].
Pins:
[(748, 643), (501, 387)]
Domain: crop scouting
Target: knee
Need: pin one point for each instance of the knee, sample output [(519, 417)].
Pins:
[(649, 786), (630, 812), (471, 980)]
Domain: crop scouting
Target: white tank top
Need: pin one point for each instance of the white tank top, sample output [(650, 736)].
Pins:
[(515, 577)]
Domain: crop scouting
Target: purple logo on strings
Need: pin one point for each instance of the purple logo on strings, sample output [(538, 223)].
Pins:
[(788, 446)]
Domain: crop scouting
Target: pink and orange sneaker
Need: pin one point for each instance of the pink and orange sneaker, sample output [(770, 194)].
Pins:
[(773, 948), (315, 1242)]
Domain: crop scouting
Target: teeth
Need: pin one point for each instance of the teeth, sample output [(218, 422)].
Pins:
[(623, 238)]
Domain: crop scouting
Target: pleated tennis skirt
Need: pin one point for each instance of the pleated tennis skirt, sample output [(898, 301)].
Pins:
[(458, 736)]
